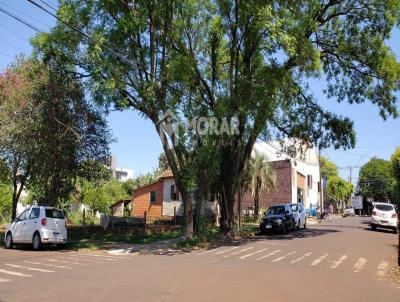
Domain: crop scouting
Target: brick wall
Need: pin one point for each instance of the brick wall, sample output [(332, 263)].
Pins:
[(283, 189), (141, 201)]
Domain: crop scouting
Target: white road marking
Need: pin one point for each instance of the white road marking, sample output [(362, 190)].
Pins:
[(2, 280), (238, 252), (359, 265), (105, 256), (339, 261), (268, 255), (48, 265), (29, 268), (382, 269), (252, 254), (227, 250), (318, 260), (81, 259), (301, 257), (284, 256), (63, 261), (4, 271)]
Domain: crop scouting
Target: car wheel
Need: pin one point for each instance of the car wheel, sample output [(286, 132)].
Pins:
[(373, 227), (298, 225), (36, 242), (305, 224), (9, 241), (396, 230)]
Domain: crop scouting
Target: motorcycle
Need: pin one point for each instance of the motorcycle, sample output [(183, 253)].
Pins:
[(322, 216)]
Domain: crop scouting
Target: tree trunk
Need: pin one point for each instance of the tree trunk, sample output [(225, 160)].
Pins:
[(256, 206), (240, 207)]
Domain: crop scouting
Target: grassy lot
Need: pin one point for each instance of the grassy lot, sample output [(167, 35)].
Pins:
[(86, 240), (77, 240)]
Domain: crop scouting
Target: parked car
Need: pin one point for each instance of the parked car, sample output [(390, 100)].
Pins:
[(37, 225), (299, 215), (349, 211), (384, 216), (278, 219)]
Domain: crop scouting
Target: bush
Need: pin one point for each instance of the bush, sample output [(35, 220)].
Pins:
[(76, 219)]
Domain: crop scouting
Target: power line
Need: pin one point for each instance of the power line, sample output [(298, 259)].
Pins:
[(21, 12), (15, 33), (14, 46), (4, 54), (4, 11)]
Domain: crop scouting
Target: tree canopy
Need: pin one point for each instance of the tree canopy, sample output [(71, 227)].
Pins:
[(339, 190), (376, 180), (48, 131), (327, 168), (251, 60)]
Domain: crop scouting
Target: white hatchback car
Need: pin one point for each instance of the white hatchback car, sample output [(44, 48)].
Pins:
[(384, 216), (349, 211), (299, 215), (37, 225)]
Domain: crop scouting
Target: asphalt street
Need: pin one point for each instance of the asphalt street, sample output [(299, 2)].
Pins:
[(342, 260)]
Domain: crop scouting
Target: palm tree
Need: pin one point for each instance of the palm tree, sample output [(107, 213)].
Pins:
[(262, 178)]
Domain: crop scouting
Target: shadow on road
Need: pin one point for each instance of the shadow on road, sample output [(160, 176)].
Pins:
[(307, 233)]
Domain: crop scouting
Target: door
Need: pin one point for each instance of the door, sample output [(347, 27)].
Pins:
[(18, 230), (31, 224)]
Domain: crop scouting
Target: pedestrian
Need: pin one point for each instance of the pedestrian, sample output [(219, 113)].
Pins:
[(330, 212)]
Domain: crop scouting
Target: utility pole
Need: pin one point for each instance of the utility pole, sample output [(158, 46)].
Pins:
[(321, 186)]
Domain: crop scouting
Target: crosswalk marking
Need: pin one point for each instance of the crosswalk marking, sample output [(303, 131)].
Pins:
[(382, 269), (283, 257), (104, 257), (252, 254), (227, 250), (268, 255), (81, 259), (339, 261), (359, 265), (318, 260), (238, 252), (29, 268), (4, 271), (208, 251), (2, 280), (48, 265), (301, 257), (63, 261)]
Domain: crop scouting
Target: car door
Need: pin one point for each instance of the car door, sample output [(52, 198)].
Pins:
[(31, 224), (18, 229)]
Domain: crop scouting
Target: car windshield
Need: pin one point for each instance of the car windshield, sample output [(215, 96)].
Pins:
[(295, 207), (384, 207), (348, 208), (276, 210), (54, 213)]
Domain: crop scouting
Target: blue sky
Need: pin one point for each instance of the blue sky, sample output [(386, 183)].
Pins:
[(138, 145)]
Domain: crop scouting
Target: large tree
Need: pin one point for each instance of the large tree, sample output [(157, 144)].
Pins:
[(49, 132), (327, 167), (376, 180), (339, 190), (229, 58)]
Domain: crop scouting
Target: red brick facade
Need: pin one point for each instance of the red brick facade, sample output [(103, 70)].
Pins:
[(283, 190)]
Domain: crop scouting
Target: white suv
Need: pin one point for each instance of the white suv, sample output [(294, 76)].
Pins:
[(37, 225), (299, 215), (384, 216)]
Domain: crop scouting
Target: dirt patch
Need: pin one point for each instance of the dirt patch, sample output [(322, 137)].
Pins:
[(394, 273)]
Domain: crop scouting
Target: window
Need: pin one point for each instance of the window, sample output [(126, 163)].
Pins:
[(174, 195), (24, 215), (319, 187), (309, 181), (34, 213), (54, 213), (152, 197)]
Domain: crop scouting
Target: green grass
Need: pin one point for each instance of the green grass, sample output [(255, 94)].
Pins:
[(80, 240)]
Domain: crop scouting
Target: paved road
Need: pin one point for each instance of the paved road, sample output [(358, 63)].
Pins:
[(337, 261)]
